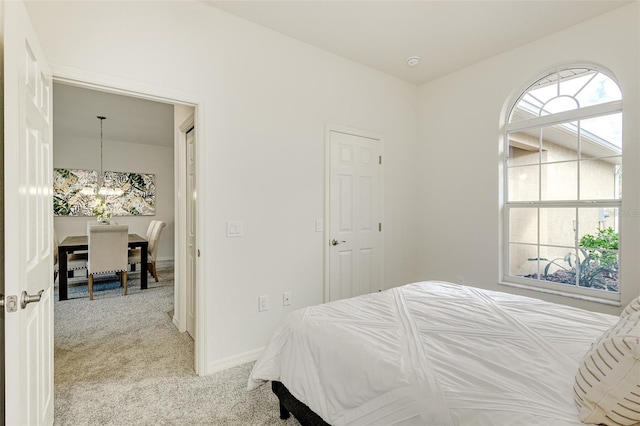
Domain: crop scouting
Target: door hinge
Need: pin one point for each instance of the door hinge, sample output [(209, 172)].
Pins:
[(380, 227), (379, 159)]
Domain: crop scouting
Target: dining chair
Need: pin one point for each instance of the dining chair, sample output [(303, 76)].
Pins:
[(75, 261), (153, 236), (152, 224), (108, 245)]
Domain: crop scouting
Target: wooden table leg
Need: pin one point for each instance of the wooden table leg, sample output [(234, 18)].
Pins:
[(144, 259)]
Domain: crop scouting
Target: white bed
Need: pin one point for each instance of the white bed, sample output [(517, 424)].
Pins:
[(433, 353)]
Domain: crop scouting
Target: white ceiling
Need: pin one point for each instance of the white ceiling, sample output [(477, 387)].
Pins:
[(447, 35), (128, 119)]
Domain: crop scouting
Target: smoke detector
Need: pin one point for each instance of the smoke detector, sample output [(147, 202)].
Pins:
[(413, 61)]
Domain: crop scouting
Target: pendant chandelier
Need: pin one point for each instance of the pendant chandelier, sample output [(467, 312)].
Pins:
[(100, 188)]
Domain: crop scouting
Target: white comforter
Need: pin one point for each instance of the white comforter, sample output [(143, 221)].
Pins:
[(433, 353)]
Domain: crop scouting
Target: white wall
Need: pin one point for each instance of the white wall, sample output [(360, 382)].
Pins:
[(460, 116), (73, 152), (267, 99)]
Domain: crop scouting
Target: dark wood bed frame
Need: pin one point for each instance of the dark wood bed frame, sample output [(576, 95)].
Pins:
[(290, 405)]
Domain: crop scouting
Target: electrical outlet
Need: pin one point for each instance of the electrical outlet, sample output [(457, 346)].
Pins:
[(460, 279), (234, 229), (263, 303), (286, 298)]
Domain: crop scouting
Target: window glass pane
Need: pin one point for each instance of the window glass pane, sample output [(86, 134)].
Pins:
[(572, 85), (599, 179), (523, 225), (520, 265), (557, 264), (524, 148), (559, 181), (559, 104), (522, 157), (600, 273), (557, 226), (599, 248), (544, 93), (524, 183), (599, 91), (602, 136), (528, 107), (531, 104), (534, 103), (592, 220), (560, 142)]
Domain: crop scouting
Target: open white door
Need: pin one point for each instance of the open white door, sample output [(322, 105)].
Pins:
[(28, 223), (355, 211), (191, 232)]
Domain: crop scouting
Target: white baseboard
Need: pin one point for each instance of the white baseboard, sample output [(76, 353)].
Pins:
[(175, 322), (233, 361)]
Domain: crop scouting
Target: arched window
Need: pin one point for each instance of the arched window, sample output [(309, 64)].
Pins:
[(563, 185)]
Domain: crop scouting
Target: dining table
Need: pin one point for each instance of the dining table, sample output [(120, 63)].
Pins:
[(75, 243)]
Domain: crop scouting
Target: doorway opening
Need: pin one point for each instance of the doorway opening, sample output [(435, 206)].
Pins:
[(174, 167)]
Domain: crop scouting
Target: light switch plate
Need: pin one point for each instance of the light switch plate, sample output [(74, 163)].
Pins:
[(319, 225), (263, 303)]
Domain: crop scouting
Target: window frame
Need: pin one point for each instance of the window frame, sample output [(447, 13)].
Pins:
[(540, 122)]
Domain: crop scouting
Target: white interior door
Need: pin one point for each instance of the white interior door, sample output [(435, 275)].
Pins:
[(191, 232), (28, 223), (355, 243)]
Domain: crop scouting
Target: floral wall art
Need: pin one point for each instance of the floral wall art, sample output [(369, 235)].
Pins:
[(68, 200), (138, 198)]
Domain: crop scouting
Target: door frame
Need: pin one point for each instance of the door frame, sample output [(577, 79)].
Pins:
[(182, 219), (115, 85), (330, 127)]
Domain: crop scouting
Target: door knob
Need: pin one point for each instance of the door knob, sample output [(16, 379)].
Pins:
[(335, 242), (27, 298)]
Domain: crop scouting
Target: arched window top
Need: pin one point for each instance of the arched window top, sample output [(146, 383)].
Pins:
[(565, 90)]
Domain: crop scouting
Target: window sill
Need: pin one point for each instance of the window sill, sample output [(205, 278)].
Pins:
[(563, 293)]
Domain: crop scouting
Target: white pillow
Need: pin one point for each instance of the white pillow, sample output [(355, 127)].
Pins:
[(607, 384), (632, 307)]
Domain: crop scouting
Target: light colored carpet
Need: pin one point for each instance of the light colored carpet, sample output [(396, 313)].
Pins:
[(119, 360)]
